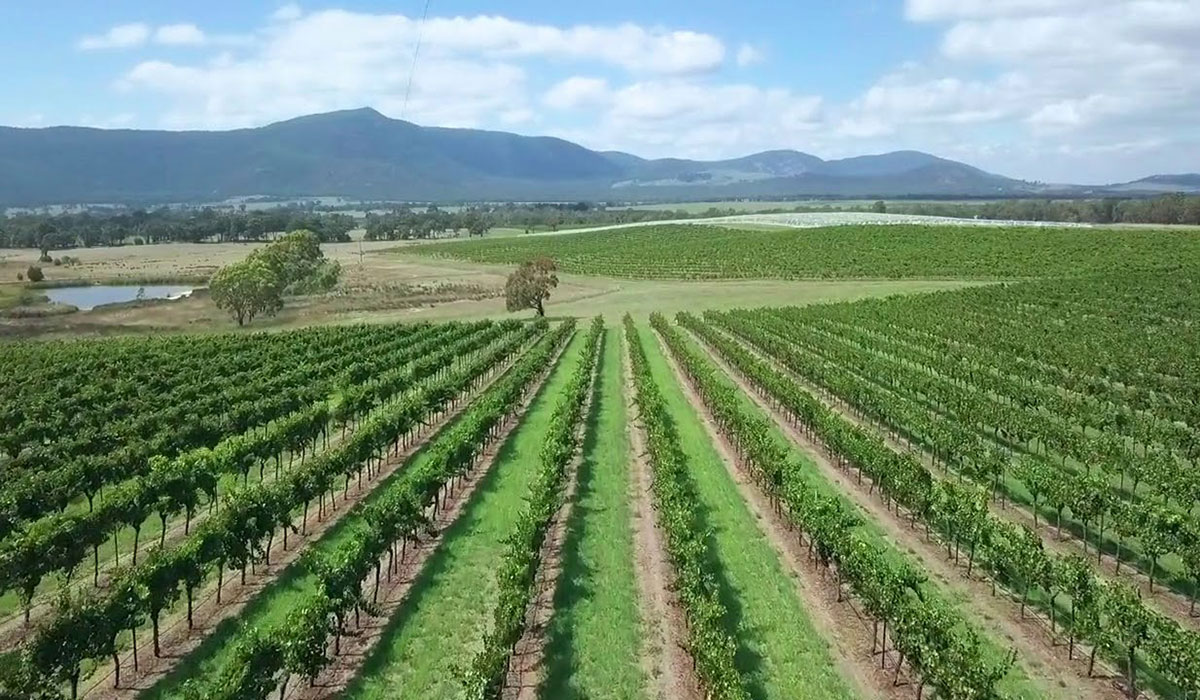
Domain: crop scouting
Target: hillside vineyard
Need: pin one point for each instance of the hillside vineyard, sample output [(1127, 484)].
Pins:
[(985, 492)]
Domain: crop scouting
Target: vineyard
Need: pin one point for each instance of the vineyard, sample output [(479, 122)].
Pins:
[(980, 493), (838, 252)]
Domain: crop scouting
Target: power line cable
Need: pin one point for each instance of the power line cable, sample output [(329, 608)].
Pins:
[(416, 52)]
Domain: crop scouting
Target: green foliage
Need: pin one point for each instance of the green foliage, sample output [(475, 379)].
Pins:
[(934, 639), (246, 289), (528, 287), (397, 513), (397, 401), (485, 676), (294, 264), (806, 343), (710, 644), (673, 251)]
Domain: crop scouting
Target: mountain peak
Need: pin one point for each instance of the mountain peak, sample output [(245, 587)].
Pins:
[(360, 115)]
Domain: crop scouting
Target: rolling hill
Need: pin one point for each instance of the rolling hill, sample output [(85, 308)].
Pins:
[(363, 154)]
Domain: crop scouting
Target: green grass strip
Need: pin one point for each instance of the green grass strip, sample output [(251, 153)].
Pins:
[(596, 632), (779, 652), (439, 628)]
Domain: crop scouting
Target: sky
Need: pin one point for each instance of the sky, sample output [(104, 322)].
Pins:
[(1083, 91)]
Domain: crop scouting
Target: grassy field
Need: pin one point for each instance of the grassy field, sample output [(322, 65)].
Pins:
[(388, 283), (779, 651), (595, 631), (440, 625)]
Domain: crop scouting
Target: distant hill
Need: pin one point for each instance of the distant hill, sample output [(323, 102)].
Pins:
[(362, 154), (1186, 182)]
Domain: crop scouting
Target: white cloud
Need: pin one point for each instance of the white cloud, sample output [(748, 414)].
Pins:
[(932, 10), (179, 35), (287, 13), (470, 69), (1044, 74), (748, 55), (686, 118), (119, 37), (577, 92)]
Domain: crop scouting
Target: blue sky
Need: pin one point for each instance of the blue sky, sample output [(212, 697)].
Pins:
[(1054, 90)]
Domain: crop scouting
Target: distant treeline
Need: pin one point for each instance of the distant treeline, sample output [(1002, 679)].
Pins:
[(103, 228), (404, 223), (1166, 209)]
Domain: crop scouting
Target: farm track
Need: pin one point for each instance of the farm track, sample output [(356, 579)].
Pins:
[(843, 625), (1045, 656), (1162, 598), (177, 640), (358, 643), (664, 655), (527, 664)]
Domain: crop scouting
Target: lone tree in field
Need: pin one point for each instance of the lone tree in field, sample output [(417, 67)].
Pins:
[(529, 286), (246, 289)]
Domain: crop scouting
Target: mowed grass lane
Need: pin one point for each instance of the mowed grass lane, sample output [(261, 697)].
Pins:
[(779, 651), (271, 606), (596, 632), (440, 626)]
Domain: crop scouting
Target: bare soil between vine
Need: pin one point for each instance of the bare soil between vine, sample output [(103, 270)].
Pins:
[(667, 663)]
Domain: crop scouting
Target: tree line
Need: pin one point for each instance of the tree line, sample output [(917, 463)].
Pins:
[(113, 228), (403, 223)]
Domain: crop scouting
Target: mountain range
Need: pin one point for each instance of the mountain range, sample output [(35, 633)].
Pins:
[(362, 154)]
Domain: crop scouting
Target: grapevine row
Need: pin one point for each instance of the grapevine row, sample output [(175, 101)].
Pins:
[(1157, 529), (238, 534), (711, 646), (946, 652), (172, 408), (1107, 614), (54, 487), (518, 567), (60, 542), (265, 659)]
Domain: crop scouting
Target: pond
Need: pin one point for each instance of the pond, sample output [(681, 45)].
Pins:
[(88, 297)]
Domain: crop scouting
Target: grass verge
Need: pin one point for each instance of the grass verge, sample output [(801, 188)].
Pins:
[(595, 631), (779, 651), (440, 626)]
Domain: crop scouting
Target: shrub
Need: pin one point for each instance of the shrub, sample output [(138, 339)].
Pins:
[(34, 273), (57, 262), (20, 276)]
